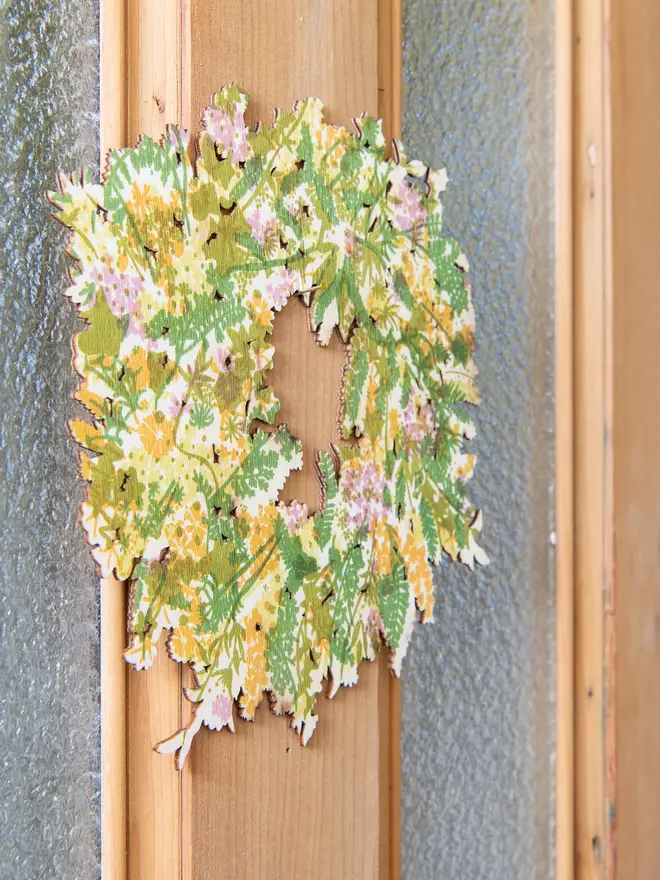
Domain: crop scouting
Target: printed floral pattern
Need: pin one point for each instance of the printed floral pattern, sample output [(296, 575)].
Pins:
[(179, 273)]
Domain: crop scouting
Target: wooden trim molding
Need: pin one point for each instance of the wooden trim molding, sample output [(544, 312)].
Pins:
[(585, 782), (592, 420), (585, 843)]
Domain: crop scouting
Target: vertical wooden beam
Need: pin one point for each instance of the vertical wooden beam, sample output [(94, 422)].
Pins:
[(565, 769), (592, 422), (330, 810), (636, 251), (263, 806)]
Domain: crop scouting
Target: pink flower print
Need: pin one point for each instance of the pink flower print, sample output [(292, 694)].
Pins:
[(257, 223), (362, 487), (221, 710), (265, 229), (352, 248), (229, 133), (374, 622), (295, 515), (178, 405), (279, 288), (179, 138), (418, 420), (409, 213), (121, 291), (223, 358)]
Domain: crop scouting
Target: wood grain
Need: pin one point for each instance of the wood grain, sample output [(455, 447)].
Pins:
[(113, 76), (265, 807), (636, 194), (154, 46), (592, 389), (303, 371)]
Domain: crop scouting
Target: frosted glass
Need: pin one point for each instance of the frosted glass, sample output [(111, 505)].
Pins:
[(478, 700), (49, 679)]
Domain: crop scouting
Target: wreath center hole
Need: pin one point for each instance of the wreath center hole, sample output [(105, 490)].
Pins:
[(306, 378)]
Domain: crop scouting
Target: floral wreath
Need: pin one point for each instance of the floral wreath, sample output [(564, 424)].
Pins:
[(179, 272)]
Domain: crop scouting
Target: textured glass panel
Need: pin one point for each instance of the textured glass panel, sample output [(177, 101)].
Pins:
[(478, 713), (49, 681)]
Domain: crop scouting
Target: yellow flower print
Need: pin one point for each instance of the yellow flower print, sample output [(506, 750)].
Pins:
[(93, 402), (182, 644), (157, 434), (260, 309), (176, 304), (393, 425), (465, 466), (382, 549), (419, 575), (138, 363), (139, 201), (256, 678), (187, 534)]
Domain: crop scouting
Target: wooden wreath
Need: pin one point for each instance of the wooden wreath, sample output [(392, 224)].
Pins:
[(179, 272)]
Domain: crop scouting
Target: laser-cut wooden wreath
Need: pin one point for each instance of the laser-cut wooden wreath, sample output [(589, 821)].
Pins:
[(179, 273)]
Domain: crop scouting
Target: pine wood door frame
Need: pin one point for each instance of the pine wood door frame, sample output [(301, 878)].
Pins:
[(154, 54), (608, 420), (585, 841)]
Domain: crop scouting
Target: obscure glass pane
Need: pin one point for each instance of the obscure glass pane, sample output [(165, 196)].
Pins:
[(478, 692), (49, 696)]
